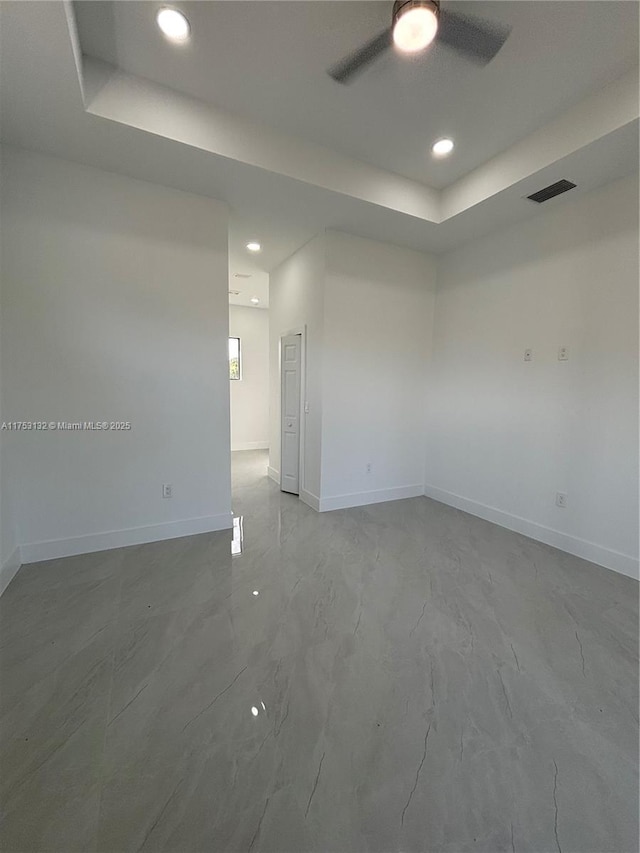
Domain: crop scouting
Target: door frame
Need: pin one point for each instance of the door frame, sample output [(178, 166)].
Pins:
[(302, 331)]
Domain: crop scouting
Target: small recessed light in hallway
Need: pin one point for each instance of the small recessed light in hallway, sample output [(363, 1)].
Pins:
[(443, 147), (173, 24)]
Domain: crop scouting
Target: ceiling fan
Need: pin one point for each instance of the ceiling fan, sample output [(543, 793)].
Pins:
[(415, 24)]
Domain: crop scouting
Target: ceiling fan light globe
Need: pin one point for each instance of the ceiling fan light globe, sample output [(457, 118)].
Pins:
[(415, 28)]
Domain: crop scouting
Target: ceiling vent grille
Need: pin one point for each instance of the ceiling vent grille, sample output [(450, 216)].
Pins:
[(552, 191)]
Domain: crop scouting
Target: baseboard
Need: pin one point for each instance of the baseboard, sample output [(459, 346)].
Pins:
[(250, 445), (9, 568), (310, 499), (376, 496), (35, 552), (273, 474), (614, 560)]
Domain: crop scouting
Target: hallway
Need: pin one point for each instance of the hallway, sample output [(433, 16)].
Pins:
[(407, 678)]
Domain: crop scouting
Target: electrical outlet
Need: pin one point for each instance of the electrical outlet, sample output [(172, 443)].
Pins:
[(563, 353), (528, 355), (561, 499), (167, 490), (368, 467)]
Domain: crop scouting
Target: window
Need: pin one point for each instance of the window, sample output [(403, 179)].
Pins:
[(234, 359)]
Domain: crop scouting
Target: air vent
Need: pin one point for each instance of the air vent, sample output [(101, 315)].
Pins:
[(241, 275), (551, 191)]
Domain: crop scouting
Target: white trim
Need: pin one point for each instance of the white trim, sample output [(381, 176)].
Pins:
[(397, 493), (35, 552), (310, 499), (10, 568), (273, 474), (610, 559), (250, 445)]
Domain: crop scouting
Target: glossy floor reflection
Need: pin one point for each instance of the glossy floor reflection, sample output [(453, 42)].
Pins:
[(401, 677)]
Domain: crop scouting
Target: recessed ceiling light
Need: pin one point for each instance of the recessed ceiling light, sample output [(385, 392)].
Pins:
[(242, 275), (173, 24), (234, 293), (415, 24), (254, 247), (442, 147), (254, 300)]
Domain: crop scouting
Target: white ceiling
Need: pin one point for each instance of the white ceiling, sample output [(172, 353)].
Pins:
[(280, 188), (246, 276), (267, 60)]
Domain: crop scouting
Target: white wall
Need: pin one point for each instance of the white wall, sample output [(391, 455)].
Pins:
[(506, 435), (296, 301), (379, 305), (115, 307), (250, 394), (368, 309), (9, 551)]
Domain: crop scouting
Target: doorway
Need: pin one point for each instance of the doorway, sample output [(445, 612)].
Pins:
[(249, 377)]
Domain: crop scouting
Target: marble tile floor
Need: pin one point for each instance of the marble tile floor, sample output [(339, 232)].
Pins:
[(408, 678)]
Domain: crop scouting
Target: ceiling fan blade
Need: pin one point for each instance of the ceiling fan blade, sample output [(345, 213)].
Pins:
[(351, 65), (477, 40)]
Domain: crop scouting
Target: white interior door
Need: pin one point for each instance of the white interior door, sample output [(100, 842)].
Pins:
[(290, 361)]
